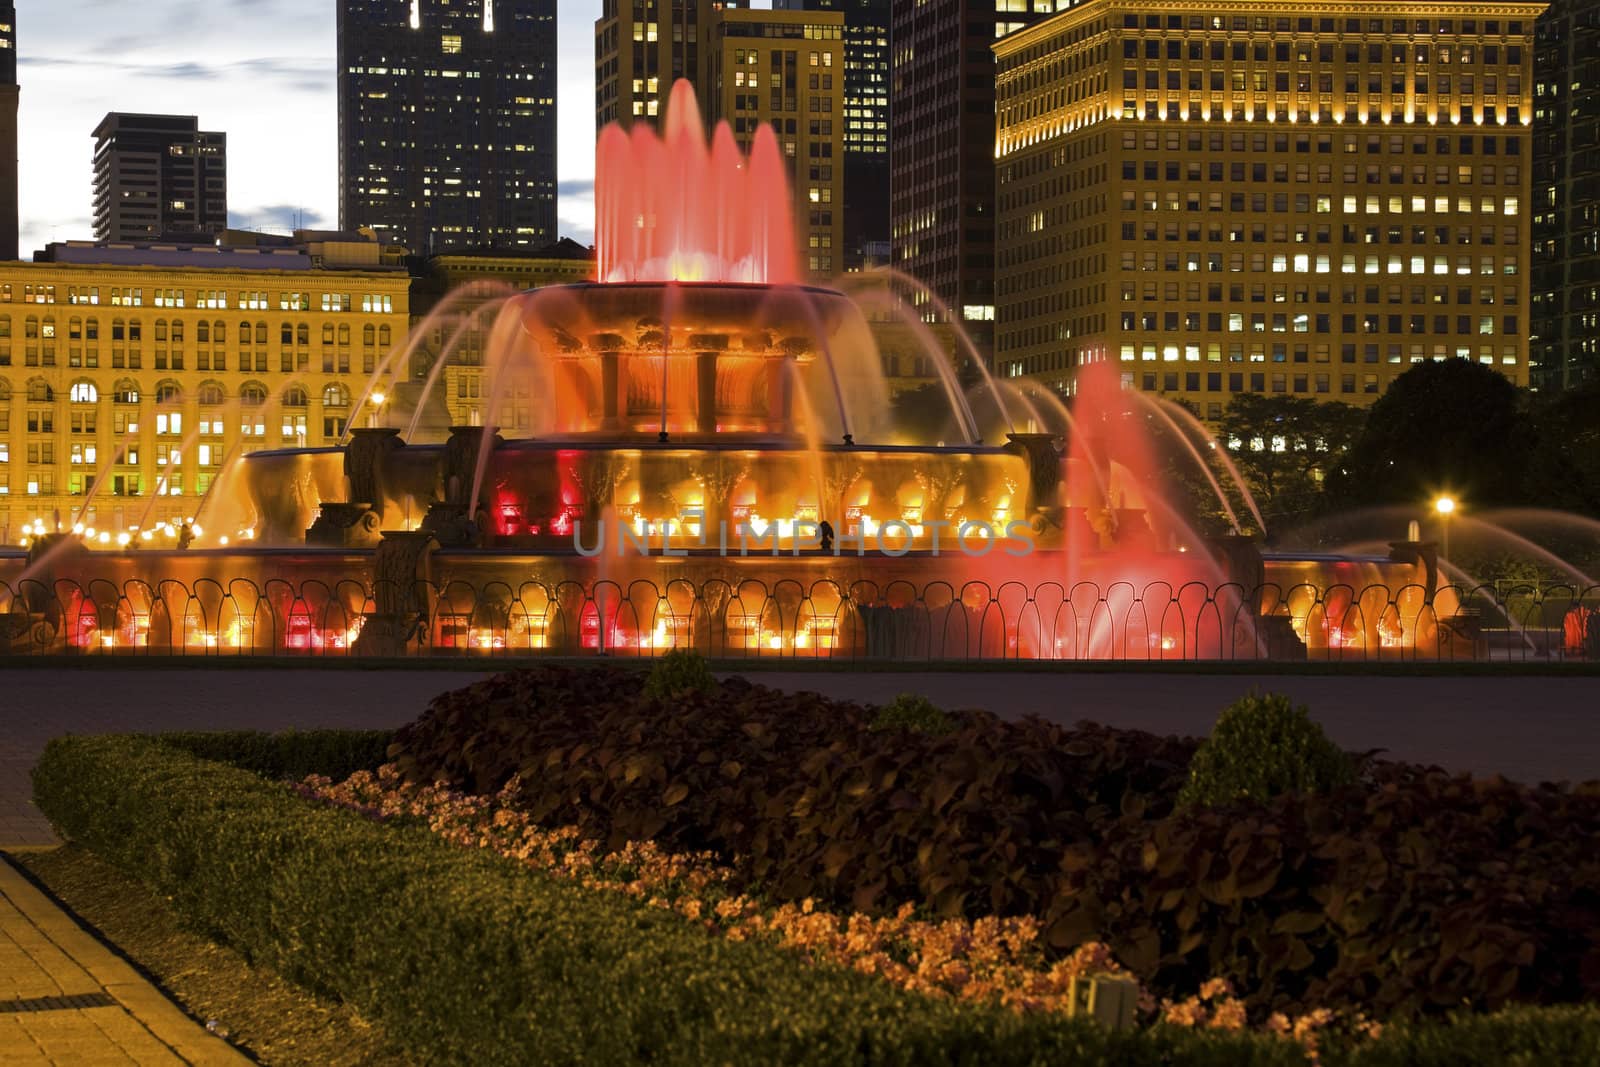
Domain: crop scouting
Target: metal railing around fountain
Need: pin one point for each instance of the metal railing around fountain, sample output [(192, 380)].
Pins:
[(822, 620)]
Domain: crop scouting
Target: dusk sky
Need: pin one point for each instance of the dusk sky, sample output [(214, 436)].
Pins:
[(262, 71)]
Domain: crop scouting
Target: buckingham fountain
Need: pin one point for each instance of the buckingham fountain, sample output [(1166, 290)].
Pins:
[(712, 464)]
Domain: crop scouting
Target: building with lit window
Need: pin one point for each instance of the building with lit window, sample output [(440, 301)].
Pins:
[(640, 49), (1566, 196), (1290, 201), (447, 121), (866, 126), (9, 95), (158, 176), (147, 366), (941, 144)]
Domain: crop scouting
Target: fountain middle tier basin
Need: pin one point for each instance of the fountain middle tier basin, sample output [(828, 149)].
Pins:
[(535, 493)]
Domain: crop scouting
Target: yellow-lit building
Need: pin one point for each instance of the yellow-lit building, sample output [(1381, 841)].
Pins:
[(139, 370), (1264, 198), (787, 68)]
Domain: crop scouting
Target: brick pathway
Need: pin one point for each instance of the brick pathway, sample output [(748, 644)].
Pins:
[(68, 1001)]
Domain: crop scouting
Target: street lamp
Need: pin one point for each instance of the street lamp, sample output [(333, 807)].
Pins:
[(1445, 506)]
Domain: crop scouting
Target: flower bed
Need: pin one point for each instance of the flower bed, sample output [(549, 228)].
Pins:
[(464, 957), (1411, 891)]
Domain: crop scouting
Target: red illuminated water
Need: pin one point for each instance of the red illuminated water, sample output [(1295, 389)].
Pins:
[(672, 207)]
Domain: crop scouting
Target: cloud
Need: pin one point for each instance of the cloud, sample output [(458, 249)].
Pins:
[(278, 218), (576, 187), (306, 75)]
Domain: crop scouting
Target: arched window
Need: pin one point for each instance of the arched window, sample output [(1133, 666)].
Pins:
[(302, 335), (84, 392), (119, 329), (252, 394), (168, 392), (285, 334), (219, 331), (294, 397), (261, 333), (344, 333), (39, 391), (5, 389), (135, 330), (327, 333), (5, 325), (177, 331), (74, 329), (212, 394), (161, 329), (383, 337), (91, 329), (126, 391), (335, 396), (369, 335), (30, 328), (202, 332)]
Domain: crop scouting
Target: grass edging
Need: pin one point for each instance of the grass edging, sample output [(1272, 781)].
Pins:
[(260, 1013)]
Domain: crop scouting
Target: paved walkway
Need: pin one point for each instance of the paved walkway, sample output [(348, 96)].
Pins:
[(67, 1001)]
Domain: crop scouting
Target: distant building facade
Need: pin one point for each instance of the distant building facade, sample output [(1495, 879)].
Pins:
[(640, 50), (1302, 201), (158, 176), (1566, 196), (148, 365), (866, 126), (941, 143), (447, 121), (9, 95)]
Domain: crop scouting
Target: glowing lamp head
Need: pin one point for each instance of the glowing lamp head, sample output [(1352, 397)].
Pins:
[(1445, 505), (378, 398)]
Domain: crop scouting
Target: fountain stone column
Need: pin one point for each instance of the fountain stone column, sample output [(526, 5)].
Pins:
[(780, 393), (705, 378), (453, 521), (1043, 453), (355, 521), (402, 561)]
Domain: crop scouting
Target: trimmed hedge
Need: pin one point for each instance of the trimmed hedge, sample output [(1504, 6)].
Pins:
[(291, 755), (465, 958), (1412, 891)]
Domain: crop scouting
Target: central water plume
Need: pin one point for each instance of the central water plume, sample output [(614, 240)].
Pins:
[(673, 208)]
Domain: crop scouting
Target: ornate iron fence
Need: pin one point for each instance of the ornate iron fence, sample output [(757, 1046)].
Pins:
[(787, 619)]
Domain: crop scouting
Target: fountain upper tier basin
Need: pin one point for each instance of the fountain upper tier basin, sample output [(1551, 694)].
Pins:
[(734, 357)]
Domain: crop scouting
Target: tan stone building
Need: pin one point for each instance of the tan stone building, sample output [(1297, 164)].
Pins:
[(140, 370), (1264, 198)]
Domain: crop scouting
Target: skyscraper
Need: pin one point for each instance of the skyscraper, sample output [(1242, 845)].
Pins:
[(1565, 342), (8, 130), (640, 50), (866, 126), (941, 146), (447, 121), (1302, 202), (158, 176)]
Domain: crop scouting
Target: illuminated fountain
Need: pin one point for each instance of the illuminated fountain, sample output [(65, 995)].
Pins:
[(699, 414)]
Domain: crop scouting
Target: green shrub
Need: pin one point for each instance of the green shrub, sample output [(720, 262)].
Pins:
[(681, 671), (291, 755), (914, 713), (1262, 746), (464, 957)]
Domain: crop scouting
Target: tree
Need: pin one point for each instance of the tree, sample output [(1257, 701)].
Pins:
[(1564, 469), (1446, 425), (1285, 445)]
